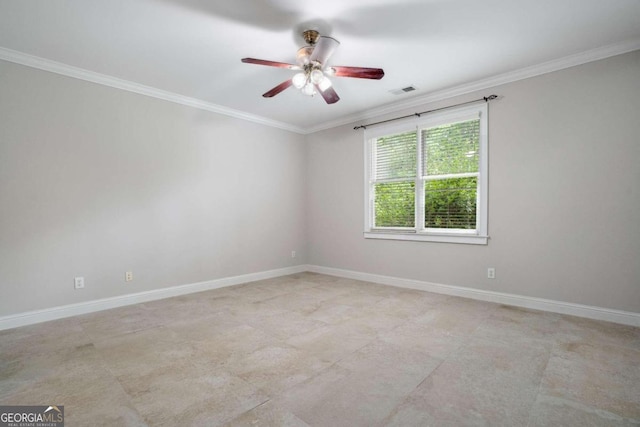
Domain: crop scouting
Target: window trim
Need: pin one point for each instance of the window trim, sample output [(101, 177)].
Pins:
[(479, 236)]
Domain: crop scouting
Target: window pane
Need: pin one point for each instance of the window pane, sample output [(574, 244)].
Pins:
[(451, 148), (396, 156), (450, 203), (395, 204)]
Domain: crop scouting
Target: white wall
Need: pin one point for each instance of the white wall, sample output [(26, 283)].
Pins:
[(96, 181), (564, 202)]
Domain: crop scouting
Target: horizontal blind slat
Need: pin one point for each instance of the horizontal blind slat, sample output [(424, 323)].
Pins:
[(395, 156), (451, 148)]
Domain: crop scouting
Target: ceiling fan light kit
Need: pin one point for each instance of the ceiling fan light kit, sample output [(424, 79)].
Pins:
[(311, 62)]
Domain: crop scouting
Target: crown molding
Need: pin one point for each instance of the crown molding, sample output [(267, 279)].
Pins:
[(508, 77), (114, 82), (490, 82)]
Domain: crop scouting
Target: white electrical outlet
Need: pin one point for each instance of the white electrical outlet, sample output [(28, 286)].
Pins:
[(293, 254), (128, 276), (491, 273), (78, 282)]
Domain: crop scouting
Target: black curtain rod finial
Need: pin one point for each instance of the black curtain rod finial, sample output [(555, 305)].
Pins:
[(484, 98)]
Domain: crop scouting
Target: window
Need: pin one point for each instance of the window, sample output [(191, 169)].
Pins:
[(426, 179)]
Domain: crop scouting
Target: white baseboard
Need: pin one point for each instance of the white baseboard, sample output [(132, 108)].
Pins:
[(591, 312), (31, 317)]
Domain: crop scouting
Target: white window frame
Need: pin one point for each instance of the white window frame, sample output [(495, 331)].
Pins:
[(479, 236)]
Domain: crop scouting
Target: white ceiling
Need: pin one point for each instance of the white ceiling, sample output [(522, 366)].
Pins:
[(193, 48)]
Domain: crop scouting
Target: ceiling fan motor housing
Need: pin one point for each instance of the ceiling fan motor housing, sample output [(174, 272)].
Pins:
[(311, 37)]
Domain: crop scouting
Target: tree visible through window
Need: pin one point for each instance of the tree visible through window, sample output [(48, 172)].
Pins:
[(395, 180), (429, 179), (450, 170)]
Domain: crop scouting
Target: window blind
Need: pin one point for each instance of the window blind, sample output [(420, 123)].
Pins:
[(395, 157), (451, 149), (450, 164), (395, 166), (426, 178)]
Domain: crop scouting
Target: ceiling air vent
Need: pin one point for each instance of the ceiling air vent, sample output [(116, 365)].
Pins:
[(403, 90)]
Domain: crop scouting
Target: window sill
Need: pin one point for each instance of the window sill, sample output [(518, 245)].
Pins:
[(419, 237)]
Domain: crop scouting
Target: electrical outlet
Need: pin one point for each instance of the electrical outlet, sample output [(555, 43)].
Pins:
[(78, 282), (491, 273), (128, 276), (293, 254)]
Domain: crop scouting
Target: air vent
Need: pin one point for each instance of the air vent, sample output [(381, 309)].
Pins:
[(403, 90)]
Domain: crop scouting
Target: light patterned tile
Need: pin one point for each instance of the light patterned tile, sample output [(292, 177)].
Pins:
[(457, 316), (482, 383), (507, 323), (312, 350), (551, 412), (333, 342), (333, 313), (144, 351), (407, 304), (599, 376), (428, 339), (297, 301), (221, 346), (41, 338), (118, 321), (576, 329), (267, 415), (190, 394), (276, 368), (360, 390), (287, 325), (76, 378)]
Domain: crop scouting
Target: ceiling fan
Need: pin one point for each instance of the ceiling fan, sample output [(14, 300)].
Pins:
[(311, 61)]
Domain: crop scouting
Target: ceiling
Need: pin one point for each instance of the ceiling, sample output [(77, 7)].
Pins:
[(191, 49)]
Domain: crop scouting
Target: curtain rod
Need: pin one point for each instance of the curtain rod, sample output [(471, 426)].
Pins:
[(485, 99)]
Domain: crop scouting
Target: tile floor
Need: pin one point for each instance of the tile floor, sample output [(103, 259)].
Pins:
[(316, 350)]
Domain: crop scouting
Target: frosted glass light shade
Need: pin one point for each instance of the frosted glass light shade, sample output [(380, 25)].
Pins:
[(309, 89), (324, 84), (316, 76), (299, 80)]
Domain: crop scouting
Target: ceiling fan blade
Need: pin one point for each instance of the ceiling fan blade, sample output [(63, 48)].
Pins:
[(270, 63), (357, 72), (329, 95), (323, 50), (276, 90)]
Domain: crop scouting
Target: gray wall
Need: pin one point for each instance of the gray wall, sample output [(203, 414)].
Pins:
[(564, 203), (96, 181)]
